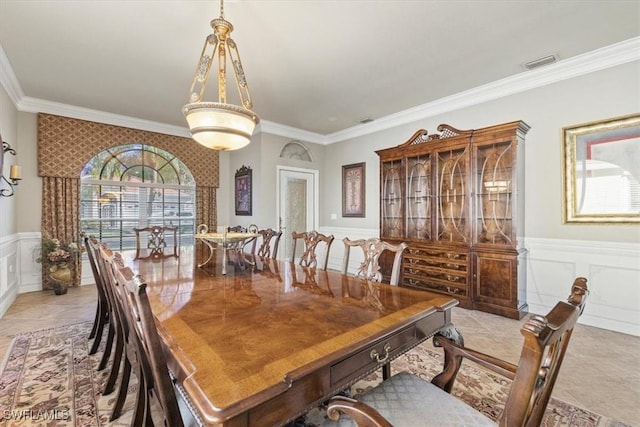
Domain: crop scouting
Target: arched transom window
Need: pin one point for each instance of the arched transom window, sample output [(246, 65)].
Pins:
[(134, 186)]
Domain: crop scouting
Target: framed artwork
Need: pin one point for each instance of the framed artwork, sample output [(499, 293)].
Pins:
[(601, 171), (243, 191), (353, 186)]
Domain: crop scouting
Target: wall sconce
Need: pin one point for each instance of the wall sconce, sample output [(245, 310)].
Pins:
[(14, 171)]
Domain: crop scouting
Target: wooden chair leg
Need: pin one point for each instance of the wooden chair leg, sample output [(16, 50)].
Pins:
[(141, 402), (107, 350), (147, 413), (122, 391), (115, 367), (98, 337), (96, 321)]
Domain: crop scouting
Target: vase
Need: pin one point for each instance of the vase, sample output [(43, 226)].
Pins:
[(60, 279)]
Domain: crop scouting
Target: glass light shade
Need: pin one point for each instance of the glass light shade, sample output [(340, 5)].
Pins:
[(220, 126)]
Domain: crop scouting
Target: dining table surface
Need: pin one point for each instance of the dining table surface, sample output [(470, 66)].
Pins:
[(268, 340)]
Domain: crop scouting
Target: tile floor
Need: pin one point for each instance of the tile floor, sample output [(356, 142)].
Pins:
[(601, 371)]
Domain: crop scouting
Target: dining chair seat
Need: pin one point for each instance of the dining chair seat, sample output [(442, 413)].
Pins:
[(402, 401)]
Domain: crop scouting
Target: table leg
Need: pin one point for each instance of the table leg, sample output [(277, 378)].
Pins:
[(206, 242), (224, 259)]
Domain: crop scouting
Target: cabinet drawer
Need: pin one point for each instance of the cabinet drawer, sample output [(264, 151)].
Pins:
[(460, 289), (363, 361)]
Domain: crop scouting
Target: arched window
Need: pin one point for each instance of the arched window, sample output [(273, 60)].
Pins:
[(133, 186), (297, 151)]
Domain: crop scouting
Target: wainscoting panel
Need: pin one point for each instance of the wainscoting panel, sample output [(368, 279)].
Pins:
[(30, 268), (613, 274), (9, 276)]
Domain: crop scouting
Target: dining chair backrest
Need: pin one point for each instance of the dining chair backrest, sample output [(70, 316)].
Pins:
[(267, 243), (102, 307), (135, 357), (117, 325), (372, 249), (156, 241), (133, 291), (311, 240)]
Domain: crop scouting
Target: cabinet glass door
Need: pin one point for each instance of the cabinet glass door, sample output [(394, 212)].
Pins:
[(418, 198), (392, 219), (452, 195), (494, 222)]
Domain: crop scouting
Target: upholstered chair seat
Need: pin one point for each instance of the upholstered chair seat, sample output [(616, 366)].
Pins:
[(406, 400)]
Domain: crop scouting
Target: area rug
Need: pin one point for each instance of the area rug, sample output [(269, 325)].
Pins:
[(49, 379)]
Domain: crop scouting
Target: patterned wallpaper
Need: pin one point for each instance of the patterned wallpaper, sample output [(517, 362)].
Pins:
[(65, 145)]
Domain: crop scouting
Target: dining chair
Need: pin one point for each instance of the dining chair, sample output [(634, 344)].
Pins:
[(311, 240), (266, 243), (101, 319), (372, 248), (407, 400), (154, 380), (156, 242), (117, 332)]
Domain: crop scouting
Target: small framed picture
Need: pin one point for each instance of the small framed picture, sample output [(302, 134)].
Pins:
[(243, 191), (353, 190)]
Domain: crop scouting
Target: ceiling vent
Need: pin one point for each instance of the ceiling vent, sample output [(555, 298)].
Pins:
[(540, 62)]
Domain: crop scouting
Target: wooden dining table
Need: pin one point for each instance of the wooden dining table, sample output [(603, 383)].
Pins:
[(260, 346)]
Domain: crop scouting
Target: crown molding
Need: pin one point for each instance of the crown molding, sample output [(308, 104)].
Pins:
[(291, 132), (35, 105), (599, 59), (8, 79)]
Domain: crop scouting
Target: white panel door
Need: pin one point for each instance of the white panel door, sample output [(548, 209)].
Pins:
[(297, 204)]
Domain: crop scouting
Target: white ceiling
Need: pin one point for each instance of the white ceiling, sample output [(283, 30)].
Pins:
[(314, 65)]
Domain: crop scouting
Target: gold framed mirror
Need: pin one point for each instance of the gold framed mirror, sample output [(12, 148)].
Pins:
[(601, 171)]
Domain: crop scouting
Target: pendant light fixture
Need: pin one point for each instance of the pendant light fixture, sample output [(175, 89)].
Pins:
[(219, 125)]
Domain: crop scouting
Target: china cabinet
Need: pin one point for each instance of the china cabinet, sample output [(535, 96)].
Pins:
[(457, 199)]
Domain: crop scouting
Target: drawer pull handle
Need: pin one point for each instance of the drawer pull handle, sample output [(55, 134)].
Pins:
[(376, 356)]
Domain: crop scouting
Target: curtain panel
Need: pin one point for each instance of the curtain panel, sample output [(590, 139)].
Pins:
[(61, 220)]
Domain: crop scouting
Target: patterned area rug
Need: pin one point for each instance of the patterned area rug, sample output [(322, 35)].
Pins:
[(48, 379)]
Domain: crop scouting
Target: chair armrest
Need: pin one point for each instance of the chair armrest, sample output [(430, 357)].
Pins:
[(363, 414), (453, 354)]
